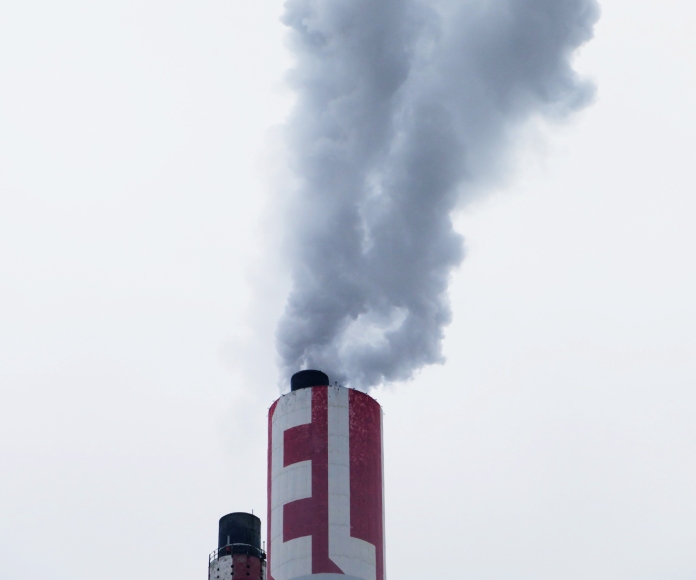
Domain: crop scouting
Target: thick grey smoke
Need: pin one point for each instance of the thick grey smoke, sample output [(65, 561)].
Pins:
[(405, 109)]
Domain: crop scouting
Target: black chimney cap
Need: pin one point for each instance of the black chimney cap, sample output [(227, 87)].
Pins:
[(240, 528), (308, 378)]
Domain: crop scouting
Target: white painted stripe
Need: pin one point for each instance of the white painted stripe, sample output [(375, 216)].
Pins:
[(293, 559), (220, 569)]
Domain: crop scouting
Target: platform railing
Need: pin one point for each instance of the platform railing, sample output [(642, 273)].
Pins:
[(236, 549)]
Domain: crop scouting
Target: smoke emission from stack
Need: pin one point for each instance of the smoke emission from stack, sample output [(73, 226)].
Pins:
[(405, 110)]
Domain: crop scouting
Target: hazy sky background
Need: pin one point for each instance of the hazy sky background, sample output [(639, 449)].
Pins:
[(139, 295)]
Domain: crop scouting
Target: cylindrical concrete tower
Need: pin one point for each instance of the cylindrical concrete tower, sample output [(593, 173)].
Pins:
[(239, 555), (325, 483)]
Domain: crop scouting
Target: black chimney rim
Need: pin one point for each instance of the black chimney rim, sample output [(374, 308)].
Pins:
[(308, 378)]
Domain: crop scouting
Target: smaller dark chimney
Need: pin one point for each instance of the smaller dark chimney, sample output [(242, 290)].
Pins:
[(239, 555), (239, 528)]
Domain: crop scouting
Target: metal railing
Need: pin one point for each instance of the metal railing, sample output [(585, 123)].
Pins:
[(230, 549)]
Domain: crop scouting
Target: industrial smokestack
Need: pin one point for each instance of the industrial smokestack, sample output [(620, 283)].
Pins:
[(325, 483), (239, 554)]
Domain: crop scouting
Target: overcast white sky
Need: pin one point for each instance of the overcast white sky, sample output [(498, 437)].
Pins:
[(139, 293)]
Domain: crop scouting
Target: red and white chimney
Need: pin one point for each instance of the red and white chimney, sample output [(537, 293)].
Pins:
[(325, 483)]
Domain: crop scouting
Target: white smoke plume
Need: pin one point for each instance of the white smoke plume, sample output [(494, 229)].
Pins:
[(404, 110)]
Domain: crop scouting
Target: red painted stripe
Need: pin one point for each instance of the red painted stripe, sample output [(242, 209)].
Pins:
[(246, 567), (365, 431), (310, 516)]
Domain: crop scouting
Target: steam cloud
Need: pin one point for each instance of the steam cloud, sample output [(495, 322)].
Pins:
[(404, 111)]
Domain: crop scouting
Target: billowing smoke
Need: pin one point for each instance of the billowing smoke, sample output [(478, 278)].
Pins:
[(405, 109)]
